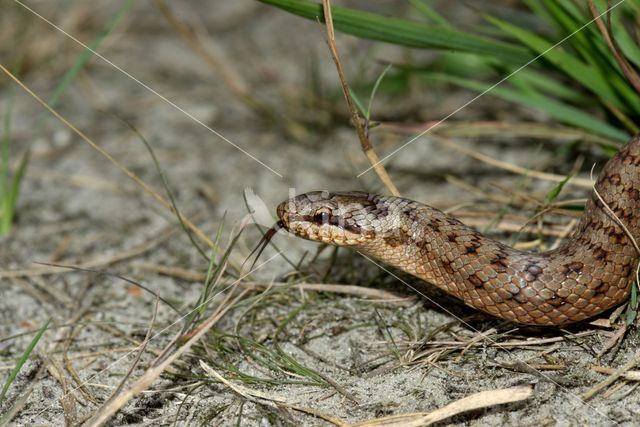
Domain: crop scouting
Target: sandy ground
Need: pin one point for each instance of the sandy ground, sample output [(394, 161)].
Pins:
[(369, 358)]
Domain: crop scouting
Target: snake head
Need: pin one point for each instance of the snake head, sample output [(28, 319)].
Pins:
[(343, 219)]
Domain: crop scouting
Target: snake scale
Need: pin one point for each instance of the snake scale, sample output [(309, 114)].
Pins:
[(591, 272)]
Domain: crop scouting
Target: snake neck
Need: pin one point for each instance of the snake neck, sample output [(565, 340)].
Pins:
[(590, 273)]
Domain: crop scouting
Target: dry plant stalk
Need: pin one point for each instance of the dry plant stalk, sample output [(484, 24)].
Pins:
[(580, 182), (475, 129), (620, 372), (479, 400), (354, 290), (141, 349), (631, 74), (163, 362), (629, 375), (355, 117)]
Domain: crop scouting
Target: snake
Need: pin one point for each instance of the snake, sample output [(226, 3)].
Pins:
[(591, 271)]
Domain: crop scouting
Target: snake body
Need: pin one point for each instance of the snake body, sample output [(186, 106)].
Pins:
[(591, 272)]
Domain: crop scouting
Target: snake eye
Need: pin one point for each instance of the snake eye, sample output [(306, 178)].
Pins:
[(321, 217)]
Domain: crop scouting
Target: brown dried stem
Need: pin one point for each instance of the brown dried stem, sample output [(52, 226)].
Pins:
[(355, 117), (169, 355), (479, 400)]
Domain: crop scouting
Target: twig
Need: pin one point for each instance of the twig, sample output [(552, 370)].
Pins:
[(629, 375), (613, 377), (613, 340), (479, 400), (358, 291), (142, 347), (355, 117), (163, 362)]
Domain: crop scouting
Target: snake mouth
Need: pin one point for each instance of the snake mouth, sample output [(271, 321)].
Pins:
[(264, 241)]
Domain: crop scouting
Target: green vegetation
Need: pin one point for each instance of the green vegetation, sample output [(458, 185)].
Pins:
[(566, 68), (9, 186), (19, 364)]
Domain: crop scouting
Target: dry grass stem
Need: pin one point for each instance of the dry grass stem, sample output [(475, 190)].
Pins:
[(353, 290), (355, 116), (169, 355), (141, 349), (519, 170), (630, 73), (471, 129), (243, 391), (629, 375), (613, 377), (613, 340), (525, 343), (483, 399)]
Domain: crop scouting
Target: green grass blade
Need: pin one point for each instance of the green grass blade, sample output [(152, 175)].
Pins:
[(11, 198), (556, 109), (214, 274), (586, 41), (212, 267), (430, 13), (545, 84), (591, 45), (23, 359), (356, 100), (375, 89), (87, 53), (405, 33), (201, 304), (588, 76), (537, 8), (555, 191), (628, 46)]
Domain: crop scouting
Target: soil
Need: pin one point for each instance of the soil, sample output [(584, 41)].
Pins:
[(365, 358)]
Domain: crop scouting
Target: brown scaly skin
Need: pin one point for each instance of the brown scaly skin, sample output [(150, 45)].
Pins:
[(590, 273)]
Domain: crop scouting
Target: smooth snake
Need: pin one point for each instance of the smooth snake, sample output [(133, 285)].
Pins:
[(588, 274)]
